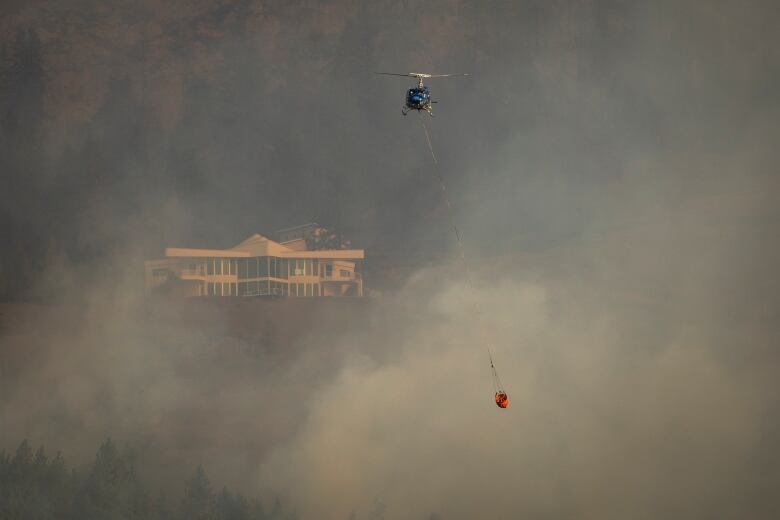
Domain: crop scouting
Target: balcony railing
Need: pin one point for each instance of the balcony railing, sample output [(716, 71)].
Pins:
[(336, 277), (192, 272), (273, 291)]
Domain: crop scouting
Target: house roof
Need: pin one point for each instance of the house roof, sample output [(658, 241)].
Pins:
[(258, 245)]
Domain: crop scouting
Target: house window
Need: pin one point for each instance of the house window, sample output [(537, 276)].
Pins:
[(262, 266), (344, 273), (328, 270)]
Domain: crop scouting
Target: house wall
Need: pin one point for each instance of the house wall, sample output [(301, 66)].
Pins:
[(258, 267)]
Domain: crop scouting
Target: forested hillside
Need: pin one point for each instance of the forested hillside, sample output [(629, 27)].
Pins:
[(129, 126), (36, 484)]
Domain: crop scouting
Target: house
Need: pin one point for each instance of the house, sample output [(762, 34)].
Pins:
[(259, 266)]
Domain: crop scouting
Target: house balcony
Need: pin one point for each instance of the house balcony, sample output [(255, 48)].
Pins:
[(336, 277), (192, 274)]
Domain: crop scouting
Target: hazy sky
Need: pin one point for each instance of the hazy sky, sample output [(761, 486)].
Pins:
[(613, 168)]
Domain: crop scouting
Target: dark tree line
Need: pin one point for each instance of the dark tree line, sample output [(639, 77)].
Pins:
[(36, 486)]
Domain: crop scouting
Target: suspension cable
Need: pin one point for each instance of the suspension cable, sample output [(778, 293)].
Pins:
[(462, 253)]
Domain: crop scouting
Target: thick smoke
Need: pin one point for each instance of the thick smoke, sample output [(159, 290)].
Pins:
[(614, 171)]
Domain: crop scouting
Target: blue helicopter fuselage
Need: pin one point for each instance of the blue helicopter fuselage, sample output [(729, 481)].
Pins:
[(418, 98)]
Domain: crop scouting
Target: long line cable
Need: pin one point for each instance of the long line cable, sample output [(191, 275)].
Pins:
[(462, 253)]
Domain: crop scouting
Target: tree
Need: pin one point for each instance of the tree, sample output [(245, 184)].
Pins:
[(198, 502), (324, 238), (112, 489)]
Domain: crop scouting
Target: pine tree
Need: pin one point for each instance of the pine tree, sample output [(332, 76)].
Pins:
[(112, 489), (198, 502)]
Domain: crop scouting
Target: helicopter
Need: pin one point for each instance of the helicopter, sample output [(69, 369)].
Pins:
[(419, 97)]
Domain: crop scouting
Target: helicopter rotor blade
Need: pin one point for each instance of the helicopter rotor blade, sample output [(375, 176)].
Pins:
[(445, 75), (421, 74), (395, 74)]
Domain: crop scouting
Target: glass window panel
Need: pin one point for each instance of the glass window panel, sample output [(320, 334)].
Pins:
[(234, 289), (263, 266), (252, 269), (242, 269), (210, 265), (315, 267), (285, 263)]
